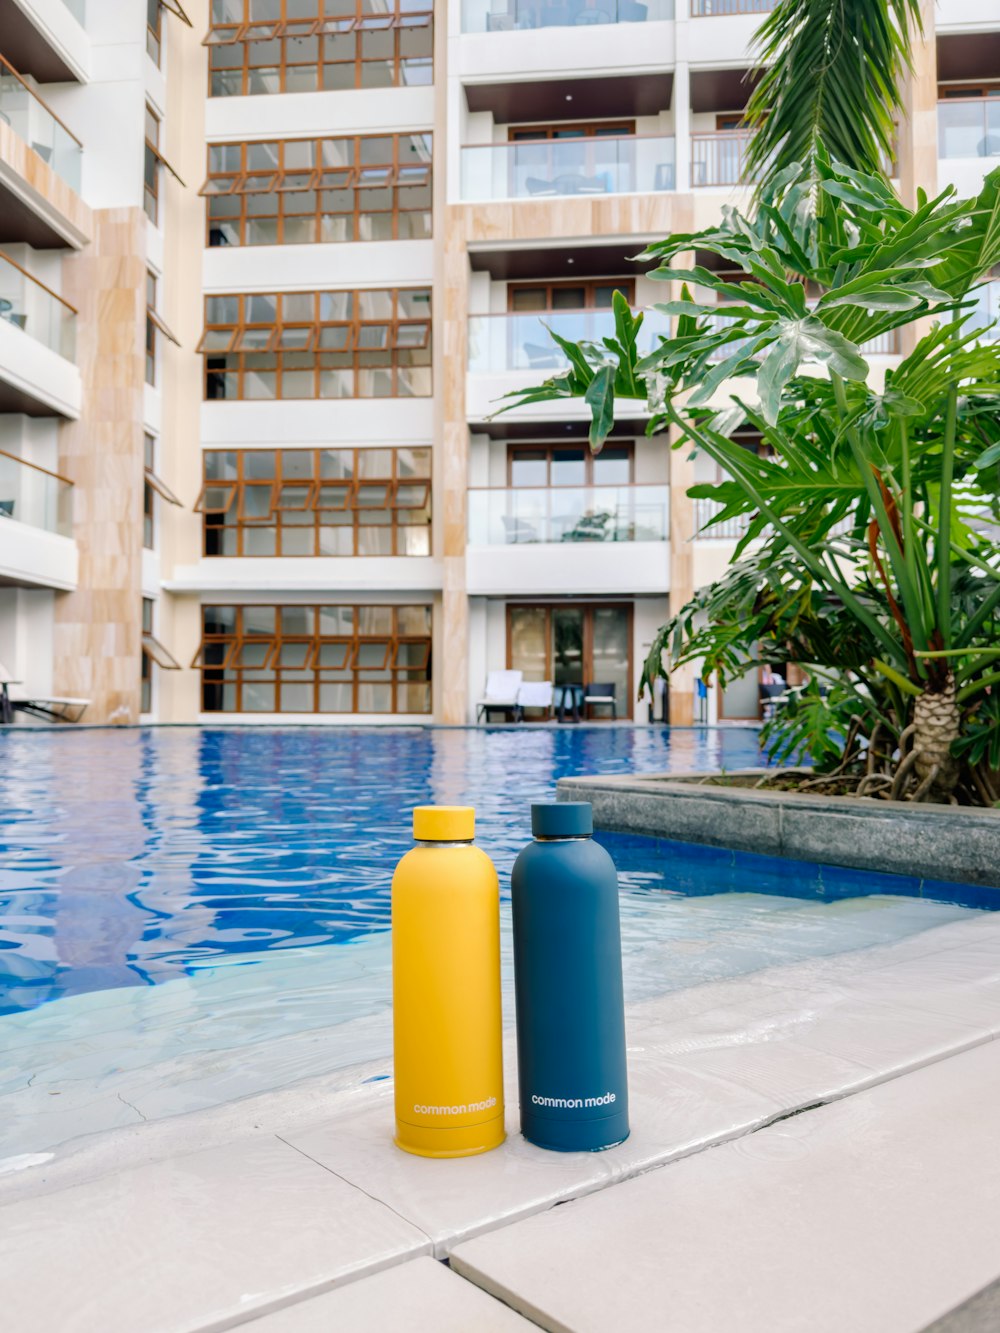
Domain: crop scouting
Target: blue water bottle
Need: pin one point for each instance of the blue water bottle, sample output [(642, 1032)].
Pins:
[(568, 983)]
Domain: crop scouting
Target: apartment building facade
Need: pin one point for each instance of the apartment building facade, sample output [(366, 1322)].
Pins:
[(267, 267)]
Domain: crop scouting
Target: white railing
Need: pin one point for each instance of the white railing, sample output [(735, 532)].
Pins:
[(701, 9), (31, 120), (549, 168), (520, 15), (518, 516), (731, 529), (719, 158), (499, 343), (33, 495), (30, 306), (969, 127)]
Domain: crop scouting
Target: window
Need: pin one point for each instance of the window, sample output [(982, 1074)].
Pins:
[(151, 487), (366, 344), (574, 645), (151, 170), (542, 465), (291, 46), (154, 325), (311, 502), (153, 654), (315, 659), (293, 192), (152, 163), (154, 20), (150, 328), (543, 296)]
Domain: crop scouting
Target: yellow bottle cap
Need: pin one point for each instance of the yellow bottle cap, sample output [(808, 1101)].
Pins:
[(444, 823)]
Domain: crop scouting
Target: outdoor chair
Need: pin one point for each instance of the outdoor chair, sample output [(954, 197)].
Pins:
[(535, 694), (500, 695), (601, 696), (51, 708)]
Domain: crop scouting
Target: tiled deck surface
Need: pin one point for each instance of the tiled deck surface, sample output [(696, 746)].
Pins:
[(878, 1211)]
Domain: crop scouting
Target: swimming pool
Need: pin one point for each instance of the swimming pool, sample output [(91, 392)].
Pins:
[(188, 915)]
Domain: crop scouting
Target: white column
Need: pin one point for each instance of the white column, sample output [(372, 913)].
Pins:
[(682, 125)]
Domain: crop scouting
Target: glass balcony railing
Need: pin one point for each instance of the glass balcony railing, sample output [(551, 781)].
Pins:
[(31, 307), (547, 168), (514, 15), (969, 127), (987, 311), (523, 516), (30, 494), (31, 120), (499, 343)]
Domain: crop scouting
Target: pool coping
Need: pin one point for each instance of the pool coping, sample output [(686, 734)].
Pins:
[(708, 1065), (926, 841)]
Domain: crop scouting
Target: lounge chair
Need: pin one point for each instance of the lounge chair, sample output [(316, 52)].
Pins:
[(50, 707), (500, 695), (535, 694), (601, 696)]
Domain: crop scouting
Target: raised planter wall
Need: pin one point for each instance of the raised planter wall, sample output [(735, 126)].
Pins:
[(927, 841)]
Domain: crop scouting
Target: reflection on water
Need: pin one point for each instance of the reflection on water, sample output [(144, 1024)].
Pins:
[(129, 857)]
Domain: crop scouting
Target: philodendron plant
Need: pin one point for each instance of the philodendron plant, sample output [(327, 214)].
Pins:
[(871, 507)]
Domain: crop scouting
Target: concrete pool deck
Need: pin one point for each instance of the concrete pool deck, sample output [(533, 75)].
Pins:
[(813, 1145)]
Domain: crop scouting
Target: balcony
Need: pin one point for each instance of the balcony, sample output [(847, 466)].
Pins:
[(969, 127), (46, 39), (719, 158), (37, 347), (563, 540), (524, 516), (44, 133), (31, 494), (560, 168), (702, 9), (987, 312), (36, 526), (520, 15), (508, 351), (521, 342)]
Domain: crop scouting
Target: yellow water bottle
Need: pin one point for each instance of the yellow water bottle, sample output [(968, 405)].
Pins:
[(447, 1047)]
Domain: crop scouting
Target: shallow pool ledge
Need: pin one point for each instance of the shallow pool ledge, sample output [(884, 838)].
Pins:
[(927, 841)]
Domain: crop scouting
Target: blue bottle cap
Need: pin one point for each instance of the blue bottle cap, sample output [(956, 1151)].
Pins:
[(562, 819)]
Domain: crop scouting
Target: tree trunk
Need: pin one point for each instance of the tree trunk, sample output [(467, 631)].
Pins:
[(936, 719)]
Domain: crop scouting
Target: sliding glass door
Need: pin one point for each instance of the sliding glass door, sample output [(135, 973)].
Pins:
[(574, 645)]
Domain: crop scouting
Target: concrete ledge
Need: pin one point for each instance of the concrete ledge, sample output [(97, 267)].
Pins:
[(932, 842)]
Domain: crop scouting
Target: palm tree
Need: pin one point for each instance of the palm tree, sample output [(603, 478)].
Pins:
[(867, 556)]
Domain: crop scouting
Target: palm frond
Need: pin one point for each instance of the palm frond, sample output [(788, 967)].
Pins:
[(830, 83)]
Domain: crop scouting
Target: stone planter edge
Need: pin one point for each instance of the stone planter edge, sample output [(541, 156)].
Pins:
[(926, 841)]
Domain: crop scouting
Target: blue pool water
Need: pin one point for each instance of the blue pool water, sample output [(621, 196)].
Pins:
[(191, 917), (128, 858)]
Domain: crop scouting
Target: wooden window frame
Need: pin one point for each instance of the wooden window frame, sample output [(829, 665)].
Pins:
[(589, 285), (584, 129), (227, 227), (313, 673), (402, 518), (563, 446), (338, 346), (327, 30), (625, 706)]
